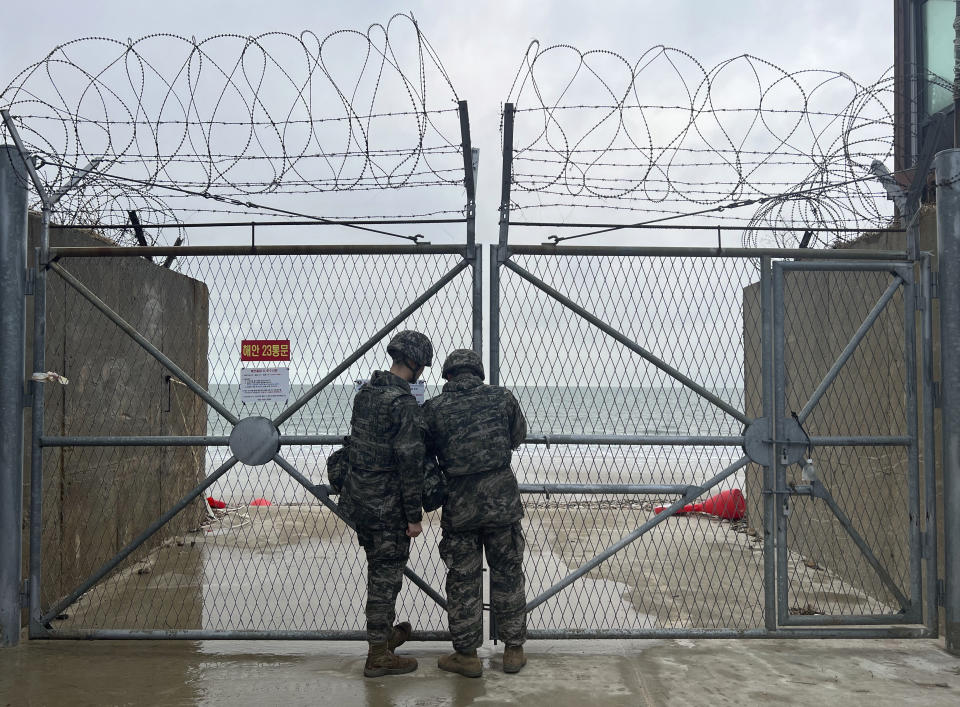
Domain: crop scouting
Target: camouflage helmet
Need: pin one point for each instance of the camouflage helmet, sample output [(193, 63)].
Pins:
[(463, 359), (412, 346)]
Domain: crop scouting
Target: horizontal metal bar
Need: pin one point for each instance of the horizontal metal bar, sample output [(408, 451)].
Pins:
[(849, 620), (659, 440), (865, 441), (562, 489), (119, 634), (534, 439), (307, 440), (626, 634), (832, 264), (710, 252), (260, 224), (145, 441), (533, 634), (700, 227), (211, 250)]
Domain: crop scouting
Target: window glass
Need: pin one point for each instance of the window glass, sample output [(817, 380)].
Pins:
[(937, 17)]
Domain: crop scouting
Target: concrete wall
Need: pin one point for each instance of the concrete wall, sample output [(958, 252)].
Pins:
[(95, 500), (822, 311)]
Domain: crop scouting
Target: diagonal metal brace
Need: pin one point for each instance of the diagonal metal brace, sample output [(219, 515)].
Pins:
[(370, 343), (110, 564), (817, 490), (850, 348), (144, 343), (322, 494), (692, 493), (629, 343)]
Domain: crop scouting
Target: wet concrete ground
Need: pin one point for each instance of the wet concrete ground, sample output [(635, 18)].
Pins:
[(667, 672)]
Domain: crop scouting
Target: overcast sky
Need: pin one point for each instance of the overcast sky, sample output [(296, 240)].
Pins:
[(482, 43)]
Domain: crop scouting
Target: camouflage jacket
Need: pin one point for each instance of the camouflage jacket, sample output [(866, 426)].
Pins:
[(385, 483), (471, 429)]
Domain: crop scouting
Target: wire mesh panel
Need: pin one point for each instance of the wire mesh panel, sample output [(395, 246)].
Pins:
[(572, 378), (274, 559)]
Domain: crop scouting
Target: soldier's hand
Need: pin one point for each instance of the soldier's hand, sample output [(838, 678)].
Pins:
[(414, 529)]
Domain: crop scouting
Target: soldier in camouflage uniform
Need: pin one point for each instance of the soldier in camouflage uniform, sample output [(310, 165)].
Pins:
[(472, 429), (382, 492)]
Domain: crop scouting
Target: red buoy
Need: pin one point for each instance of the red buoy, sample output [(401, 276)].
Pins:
[(729, 505)]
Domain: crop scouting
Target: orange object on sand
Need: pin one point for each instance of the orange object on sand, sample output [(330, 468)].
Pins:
[(729, 505), (260, 502)]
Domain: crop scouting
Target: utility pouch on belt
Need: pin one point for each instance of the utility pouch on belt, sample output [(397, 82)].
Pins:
[(434, 486), (338, 466)]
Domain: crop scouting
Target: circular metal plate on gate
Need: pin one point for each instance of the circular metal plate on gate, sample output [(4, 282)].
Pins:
[(757, 441), (255, 440)]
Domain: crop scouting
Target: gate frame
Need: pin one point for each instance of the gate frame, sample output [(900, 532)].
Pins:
[(911, 606)]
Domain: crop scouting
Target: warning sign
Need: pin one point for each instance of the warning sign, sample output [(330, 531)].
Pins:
[(265, 350), (264, 385)]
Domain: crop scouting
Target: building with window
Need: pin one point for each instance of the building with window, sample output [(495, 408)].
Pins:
[(924, 74)]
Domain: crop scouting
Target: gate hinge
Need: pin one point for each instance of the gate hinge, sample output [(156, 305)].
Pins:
[(30, 282), (940, 592), (919, 297), (25, 594), (937, 394), (934, 284)]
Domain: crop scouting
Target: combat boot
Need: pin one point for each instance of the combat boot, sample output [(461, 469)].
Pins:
[(466, 664), (399, 635), (382, 661), (513, 659)]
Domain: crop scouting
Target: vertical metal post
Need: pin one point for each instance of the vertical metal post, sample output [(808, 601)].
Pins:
[(780, 497), (494, 345), (13, 253), (947, 165), (913, 450), (769, 478), (474, 254), (507, 174), (34, 627), (499, 253), (932, 615)]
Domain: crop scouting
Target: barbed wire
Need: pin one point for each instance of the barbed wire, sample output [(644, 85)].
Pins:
[(279, 117), (664, 136)]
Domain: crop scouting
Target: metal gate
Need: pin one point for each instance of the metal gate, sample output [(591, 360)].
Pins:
[(290, 569), (597, 343), (628, 367)]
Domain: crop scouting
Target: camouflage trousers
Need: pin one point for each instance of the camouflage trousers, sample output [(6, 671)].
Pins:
[(387, 554), (461, 553)]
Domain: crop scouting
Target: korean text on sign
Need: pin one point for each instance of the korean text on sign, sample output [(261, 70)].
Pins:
[(265, 350)]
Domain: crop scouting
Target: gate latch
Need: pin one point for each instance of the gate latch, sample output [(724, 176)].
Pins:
[(758, 440)]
